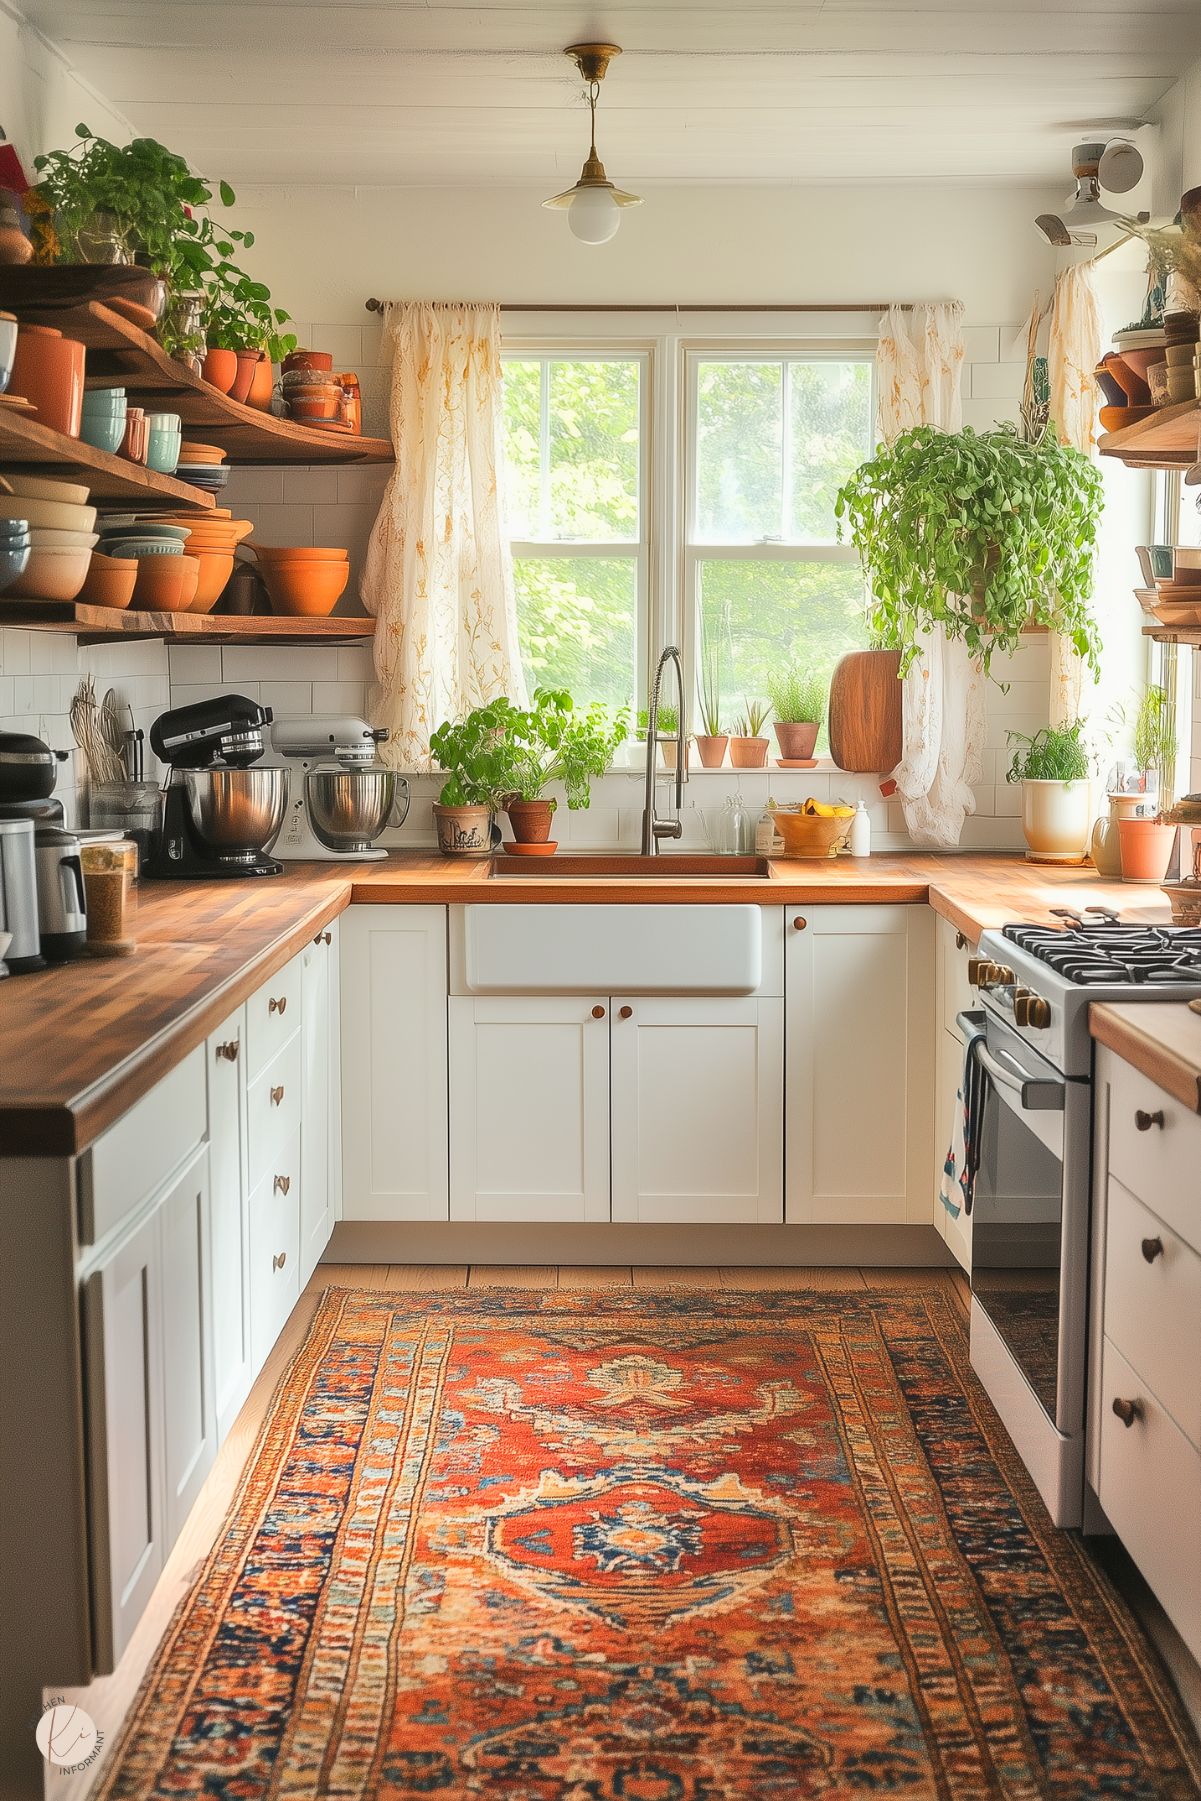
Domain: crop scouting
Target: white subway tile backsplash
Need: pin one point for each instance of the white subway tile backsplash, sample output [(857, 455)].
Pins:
[(981, 344), (280, 663), (310, 486), (992, 381), (288, 697), (343, 342), (338, 697), (195, 663)]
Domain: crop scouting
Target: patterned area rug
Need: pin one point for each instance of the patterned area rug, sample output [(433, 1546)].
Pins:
[(647, 1547)]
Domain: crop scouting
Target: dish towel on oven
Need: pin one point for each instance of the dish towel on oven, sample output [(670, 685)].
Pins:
[(963, 1154)]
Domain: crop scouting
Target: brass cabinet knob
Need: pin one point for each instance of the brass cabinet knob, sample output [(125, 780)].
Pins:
[(229, 1051), (598, 1012), (277, 1095), (799, 923), (278, 1004), (282, 1184), (1127, 1411), (960, 942), (323, 938), (627, 1013), (1144, 1121), (279, 1259), (1152, 1248)]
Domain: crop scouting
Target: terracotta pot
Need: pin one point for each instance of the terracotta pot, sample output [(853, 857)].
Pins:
[(248, 363), (669, 747), (262, 386), (748, 753), (308, 359), (1057, 819), (1146, 849), (531, 820), (220, 369), (48, 371), (464, 831), (796, 738), (712, 749)]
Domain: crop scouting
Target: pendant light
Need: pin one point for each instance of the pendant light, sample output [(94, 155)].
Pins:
[(594, 204)]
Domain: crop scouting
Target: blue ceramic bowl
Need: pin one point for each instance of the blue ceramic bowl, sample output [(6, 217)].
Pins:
[(103, 431), (14, 557), (101, 400), (162, 453)]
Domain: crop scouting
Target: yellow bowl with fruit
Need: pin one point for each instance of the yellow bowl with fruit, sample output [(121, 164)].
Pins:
[(813, 829)]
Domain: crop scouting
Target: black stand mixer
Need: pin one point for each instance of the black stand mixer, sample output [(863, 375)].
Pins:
[(221, 813)]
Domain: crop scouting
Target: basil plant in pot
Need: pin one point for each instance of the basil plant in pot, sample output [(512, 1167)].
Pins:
[(473, 754), (977, 535), (1055, 769), (552, 742)]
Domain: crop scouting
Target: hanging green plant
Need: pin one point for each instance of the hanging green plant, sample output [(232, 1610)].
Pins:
[(979, 534)]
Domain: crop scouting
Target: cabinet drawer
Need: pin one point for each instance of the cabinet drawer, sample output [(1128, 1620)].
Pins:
[(135, 1156), (272, 1016), (1153, 1305), (1155, 1148), (274, 1249), (273, 1110), (1151, 1492)]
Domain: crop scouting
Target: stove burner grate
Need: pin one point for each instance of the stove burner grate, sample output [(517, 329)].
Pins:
[(1092, 955)]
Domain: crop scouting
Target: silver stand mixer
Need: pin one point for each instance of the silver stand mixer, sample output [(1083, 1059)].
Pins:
[(341, 796)]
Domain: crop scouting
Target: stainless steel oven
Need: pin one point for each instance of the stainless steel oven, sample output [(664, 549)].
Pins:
[(1030, 1210)]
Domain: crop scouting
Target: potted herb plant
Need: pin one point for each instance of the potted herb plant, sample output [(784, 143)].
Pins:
[(473, 754), (1054, 767), (748, 746), (552, 742), (798, 700), (977, 535), (669, 732), (1147, 839), (241, 319), (711, 743)]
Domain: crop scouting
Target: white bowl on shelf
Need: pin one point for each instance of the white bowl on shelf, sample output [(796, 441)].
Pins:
[(44, 537), (56, 515), (42, 487), (49, 575)]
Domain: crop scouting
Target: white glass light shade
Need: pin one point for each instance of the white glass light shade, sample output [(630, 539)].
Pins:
[(593, 215)]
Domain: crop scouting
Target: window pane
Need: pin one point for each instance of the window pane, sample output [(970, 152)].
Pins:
[(831, 415), (594, 450), (523, 506), (739, 432), (577, 623), (778, 613)]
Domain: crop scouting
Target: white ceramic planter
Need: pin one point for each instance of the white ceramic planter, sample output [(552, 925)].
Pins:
[(1057, 820)]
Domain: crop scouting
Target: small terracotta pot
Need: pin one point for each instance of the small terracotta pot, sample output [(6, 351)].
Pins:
[(796, 739), (1146, 849), (531, 820), (748, 753), (463, 831), (308, 359), (248, 363), (711, 748), (48, 371), (262, 385), (669, 747), (220, 369)]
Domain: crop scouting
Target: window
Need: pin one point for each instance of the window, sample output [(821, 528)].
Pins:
[(772, 440), (575, 441)]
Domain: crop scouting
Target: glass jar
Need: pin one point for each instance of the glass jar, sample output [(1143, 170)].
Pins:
[(108, 870), (132, 807)]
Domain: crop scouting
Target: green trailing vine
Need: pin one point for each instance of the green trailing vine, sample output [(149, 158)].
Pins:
[(979, 534)]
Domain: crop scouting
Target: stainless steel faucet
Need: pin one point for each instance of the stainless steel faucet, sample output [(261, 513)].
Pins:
[(653, 829)]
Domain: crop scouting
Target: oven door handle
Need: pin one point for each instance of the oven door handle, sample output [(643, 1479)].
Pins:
[(1033, 1096)]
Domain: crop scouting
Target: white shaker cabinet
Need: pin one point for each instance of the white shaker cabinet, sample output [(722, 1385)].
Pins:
[(190, 1434), (395, 1162), (233, 1373), (955, 995), (319, 1180), (529, 1084), (859, 1063)]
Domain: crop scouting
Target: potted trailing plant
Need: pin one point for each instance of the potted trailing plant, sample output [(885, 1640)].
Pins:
[(552, 742), (1147, 839), (1054, 767), (711, 743), (977, 535), (748, 746), (472, 752), (798, 700)]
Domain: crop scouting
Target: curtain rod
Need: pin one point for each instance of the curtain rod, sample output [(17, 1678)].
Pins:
[(674, 306)]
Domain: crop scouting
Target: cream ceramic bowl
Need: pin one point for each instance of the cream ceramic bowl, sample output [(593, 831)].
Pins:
[(45, 538), (41, 487), (50, 513), (51, 575)]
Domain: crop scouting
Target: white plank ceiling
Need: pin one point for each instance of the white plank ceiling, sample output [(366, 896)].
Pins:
[(437, 93)]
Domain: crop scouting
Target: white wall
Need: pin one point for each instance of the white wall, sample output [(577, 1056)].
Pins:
[(42, 99)]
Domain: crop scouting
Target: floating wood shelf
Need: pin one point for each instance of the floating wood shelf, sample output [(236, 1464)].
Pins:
[(121, 353), (27, 446), (1174, 634), (1167, 440), (97, 625)]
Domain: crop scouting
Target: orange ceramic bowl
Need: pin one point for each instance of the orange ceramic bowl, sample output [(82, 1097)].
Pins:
[(308, 359), (301, 553), (310, 589), (166, 584), (110, 581), (216, 567)]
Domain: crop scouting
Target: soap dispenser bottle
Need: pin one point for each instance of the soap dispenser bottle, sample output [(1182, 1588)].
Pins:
[(860, 835)]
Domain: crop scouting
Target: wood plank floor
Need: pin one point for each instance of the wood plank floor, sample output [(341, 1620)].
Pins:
[(108, 1699)]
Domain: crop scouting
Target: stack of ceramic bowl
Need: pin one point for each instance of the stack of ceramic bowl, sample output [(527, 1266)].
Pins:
[(165, 442), (212, 539), (313, 397), (1180, 350), (166, 580), (61, 536), (14, 550), (104, 416), (203, 465), (304, 581)]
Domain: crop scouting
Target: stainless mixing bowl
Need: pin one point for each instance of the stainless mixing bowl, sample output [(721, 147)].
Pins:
[(237, 812), (349, 808)]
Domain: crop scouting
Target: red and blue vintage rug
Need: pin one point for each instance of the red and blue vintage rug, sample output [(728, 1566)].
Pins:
[(647, 1547)]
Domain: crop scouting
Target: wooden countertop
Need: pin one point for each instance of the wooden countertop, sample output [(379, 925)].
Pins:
[(84, 1040), (1160, 1038)]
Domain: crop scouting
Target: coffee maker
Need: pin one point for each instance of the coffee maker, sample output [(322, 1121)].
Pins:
[(41, 882), (221, 810)]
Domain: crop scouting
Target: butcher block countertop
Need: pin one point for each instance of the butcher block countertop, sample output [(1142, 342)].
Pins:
[(1160, 1038), (83, 1041)]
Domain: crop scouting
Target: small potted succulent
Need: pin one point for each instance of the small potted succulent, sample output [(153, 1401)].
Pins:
[(798, 700), (1147, 839), (711, 743), (1055, 769), (472, 753), (552, 742), (748, 746)]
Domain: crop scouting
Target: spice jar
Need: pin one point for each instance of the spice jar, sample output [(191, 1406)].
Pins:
[(108, 870)]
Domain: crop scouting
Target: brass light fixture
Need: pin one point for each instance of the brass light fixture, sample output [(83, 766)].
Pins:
[(594, 204)]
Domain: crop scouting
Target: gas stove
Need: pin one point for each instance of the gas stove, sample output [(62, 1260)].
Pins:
[(1041, 980)]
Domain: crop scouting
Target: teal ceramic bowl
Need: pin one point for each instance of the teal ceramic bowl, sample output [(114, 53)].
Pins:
[(103, 431), (99, 400), (141, 547), (162, 453)]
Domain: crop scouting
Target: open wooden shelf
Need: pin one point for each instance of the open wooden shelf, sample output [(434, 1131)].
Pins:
[(96, 625), (121, 353), (1174, 634), (27, 446), (1167, 440)]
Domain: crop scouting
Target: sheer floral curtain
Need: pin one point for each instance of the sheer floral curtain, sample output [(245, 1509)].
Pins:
[(919, 370), (439, 577), (1073, 354)]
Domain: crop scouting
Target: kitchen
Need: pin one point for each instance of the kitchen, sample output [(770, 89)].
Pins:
[(763, 1166)]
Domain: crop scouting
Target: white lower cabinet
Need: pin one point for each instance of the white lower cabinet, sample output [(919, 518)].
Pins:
[(529, 1084), (274, 1209), (859, 1059), (697, 1108), (228, 1225), (190, 1437), (321, 1097), (954, 995), (395, 1162)]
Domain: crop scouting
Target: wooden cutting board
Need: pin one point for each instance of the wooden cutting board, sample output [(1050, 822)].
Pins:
[(865, 712)]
